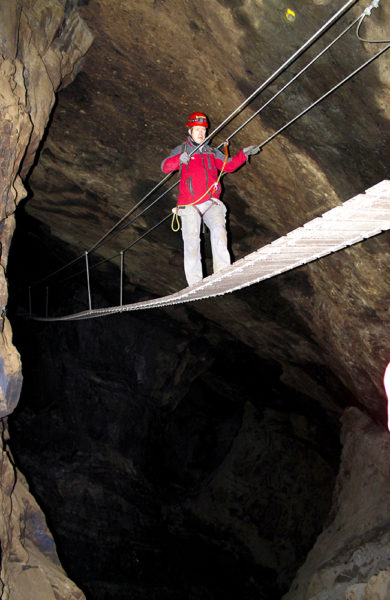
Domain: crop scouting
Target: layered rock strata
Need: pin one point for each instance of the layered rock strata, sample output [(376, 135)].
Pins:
[(41, 47)]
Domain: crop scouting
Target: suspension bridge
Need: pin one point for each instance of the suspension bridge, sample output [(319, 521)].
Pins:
[(359, 218), (363, 216)]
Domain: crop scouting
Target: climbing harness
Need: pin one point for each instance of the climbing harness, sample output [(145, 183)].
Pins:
[(175, 225)]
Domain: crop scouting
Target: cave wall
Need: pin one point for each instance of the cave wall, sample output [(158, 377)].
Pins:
[(187, 483), (127, 108), (351, 557), (41, 46), (139, 444)]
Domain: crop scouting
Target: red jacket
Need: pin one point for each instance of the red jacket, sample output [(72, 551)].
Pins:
[(201, 172)]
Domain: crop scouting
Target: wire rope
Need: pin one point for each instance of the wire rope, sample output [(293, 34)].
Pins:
[(358, 20), (254, 115), (260, 146), (361, 19), (309, 64), (364, 216), (110, 258), (124, 226), (333, 89), (239, 109), (59, 270)]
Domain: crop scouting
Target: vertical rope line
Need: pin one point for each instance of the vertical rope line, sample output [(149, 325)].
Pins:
[(88, 283), (47, 302), (121, 282), (29, 300)]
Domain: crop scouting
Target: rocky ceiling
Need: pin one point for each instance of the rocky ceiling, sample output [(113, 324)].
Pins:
[(192, 452), (151, 63)]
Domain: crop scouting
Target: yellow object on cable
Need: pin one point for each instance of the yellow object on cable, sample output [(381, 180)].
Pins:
[(290, 15), (175, 225)]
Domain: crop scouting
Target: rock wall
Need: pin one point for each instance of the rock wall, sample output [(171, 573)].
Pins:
[(188, 483), (30, 566), (128, 107), (42, 43), (41, 47), (350, 559), (173, 463)]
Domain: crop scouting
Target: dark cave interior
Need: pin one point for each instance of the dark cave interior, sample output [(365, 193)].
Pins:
[(170, 460), (234, 447)]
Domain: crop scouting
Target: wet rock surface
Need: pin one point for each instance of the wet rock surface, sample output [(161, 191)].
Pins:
[(40, 47)]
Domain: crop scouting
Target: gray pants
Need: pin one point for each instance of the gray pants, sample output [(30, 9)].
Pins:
[(214, 217)]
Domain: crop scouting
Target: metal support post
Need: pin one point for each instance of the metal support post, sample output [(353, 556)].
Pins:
[(121, 282), (88, 283)]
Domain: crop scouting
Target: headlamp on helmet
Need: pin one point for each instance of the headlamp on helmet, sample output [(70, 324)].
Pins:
[(197, 118)]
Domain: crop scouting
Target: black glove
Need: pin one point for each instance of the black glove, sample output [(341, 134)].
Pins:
[(249, 150), (184, 158)]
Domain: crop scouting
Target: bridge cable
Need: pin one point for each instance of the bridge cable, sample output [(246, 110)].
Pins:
[(367, 12), (260, 146), (255, 114), (333, 89), (239, 109)]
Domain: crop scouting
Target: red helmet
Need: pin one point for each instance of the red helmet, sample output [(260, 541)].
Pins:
[(197, 118)]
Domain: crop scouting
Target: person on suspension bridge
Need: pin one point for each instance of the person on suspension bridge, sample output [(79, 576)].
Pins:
[(201, 167)]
